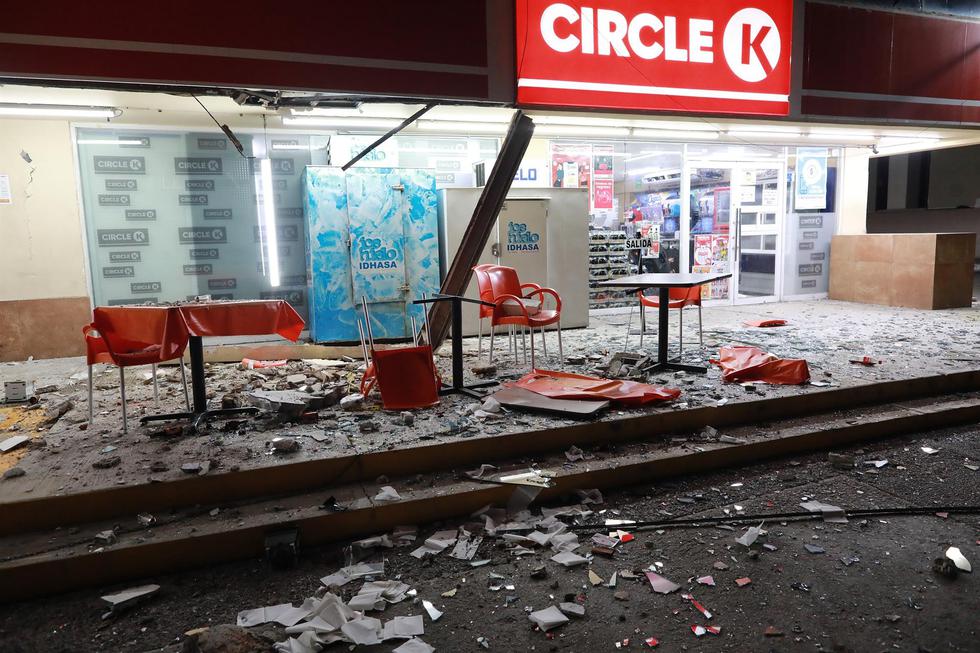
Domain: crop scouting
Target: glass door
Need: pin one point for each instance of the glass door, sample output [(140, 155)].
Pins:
[(734, 226), (758, 192)]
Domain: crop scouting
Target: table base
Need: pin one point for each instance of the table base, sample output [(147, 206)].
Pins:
[(197, 418), (468, 390)]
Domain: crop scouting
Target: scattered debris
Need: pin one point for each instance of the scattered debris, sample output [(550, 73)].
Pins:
[(431, 610), (125, 599), (703, 630), (106, 463), (387, 493), (742, 582), (572, 609), (954, 554), (772, 631), (706, 580), (929, 450), (748, 538), (660, 584), (12, 443), (813, 548), (14, 472), (548, 618), (285, 445), (840, 461)]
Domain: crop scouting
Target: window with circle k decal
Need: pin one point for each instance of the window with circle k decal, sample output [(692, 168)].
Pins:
[(714, 56)]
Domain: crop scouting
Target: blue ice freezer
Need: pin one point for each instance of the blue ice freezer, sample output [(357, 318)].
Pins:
[(372, 233)]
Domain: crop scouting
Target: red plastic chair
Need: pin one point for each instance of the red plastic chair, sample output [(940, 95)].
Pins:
[(124, 353), (486, 294), (679, 298), (509, 296)]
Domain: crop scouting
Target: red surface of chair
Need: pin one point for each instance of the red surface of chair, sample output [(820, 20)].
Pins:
[(140, 335), (95, 347), (509, 295), (564, 385), (741, 364), (483, 285), (406, 377), (679, 298), (766, 323)]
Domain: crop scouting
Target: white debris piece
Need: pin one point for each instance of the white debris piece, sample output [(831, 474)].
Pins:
[(954, 554), (403, 627), (305, 643), (830, 513), (379, 541), (434, 614), (572, 609), (548, 618), (387, 493), (347, 574), (569, 559), (438, 543), (120, 600), (466, 547), (415, 645), (363, 630), (256, 616), (374, 595), (12, 443), (750, 536), (332, 610)]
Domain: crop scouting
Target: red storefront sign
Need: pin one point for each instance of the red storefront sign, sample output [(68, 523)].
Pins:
[(715, 56)]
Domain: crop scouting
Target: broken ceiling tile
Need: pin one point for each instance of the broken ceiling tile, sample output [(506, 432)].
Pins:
[(569, 559), (550, 617), (660, 584), (706, 580), (433, 613), (414, 645), (387, 493), (364, 630), (750, 536), (403, 627), (954, 554)]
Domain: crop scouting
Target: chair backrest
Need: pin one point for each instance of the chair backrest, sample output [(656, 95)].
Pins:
[(484, 287), (504, 281), (96, 350), (406, 377), (690, 296)]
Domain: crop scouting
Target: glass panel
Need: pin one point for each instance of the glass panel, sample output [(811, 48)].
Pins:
[(651, 185), (769, 242), (808, 233), (758, 189), (751, 242), (172, 215), (710, 220)]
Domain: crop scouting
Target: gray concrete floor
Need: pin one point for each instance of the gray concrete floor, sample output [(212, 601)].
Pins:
[(909, 343)]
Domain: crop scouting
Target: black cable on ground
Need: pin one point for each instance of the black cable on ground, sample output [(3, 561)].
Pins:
[(680, 522)]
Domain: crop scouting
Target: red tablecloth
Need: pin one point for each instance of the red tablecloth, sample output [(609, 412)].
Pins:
[(170, 326), (246, 318)]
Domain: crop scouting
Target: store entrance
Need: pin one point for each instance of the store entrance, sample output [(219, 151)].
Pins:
[(735, 220)]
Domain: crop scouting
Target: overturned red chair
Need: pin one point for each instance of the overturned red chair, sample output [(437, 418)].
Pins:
[(406, 377)]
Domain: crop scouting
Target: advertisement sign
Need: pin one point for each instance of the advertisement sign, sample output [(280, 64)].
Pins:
[(571, 165), (726, 56), (533, 173), (811, 178), (602, 177)]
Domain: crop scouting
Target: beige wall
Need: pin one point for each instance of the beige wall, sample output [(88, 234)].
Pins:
[(853, 212), (42, 251)]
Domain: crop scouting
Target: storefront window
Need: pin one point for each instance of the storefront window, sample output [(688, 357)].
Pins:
[(173, 215), (811, 219)]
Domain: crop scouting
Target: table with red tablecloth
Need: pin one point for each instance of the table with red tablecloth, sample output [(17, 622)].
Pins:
[(185, 325)]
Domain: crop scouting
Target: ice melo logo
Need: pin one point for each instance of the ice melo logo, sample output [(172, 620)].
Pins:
[(521, 239), (374, 255)]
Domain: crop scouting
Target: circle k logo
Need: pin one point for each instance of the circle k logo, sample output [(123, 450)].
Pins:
[(136, 164), (751, 44), (214, 164), (139, 236)]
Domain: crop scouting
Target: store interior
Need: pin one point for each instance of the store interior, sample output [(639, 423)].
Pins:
[(658, 194)]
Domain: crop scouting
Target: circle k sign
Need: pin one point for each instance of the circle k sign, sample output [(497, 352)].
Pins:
[(730, 56)]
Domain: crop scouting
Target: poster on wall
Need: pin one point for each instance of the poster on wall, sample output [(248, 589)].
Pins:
[(6, 197), (602, 177), (571, 165), (811, 178)]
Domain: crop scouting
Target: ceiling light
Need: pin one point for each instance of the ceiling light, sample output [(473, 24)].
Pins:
[(578, 120), (756, 135), (674, 125), (342, 122), (581, 130), (108, 141), (841, 137), (56, 111), (471, 127), (673, 135)]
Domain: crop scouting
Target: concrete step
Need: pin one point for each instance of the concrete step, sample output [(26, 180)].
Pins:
[(51, 561)]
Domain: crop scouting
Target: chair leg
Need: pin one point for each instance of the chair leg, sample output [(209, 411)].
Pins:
[(700, 328), (493, 329), (629, 323), (122, 392), (561, 354), (90, 409), (532, 348), (524, 342), (544, 343), (183, 377), (479, 341), (643, 323), (681, 332), (156, 388)]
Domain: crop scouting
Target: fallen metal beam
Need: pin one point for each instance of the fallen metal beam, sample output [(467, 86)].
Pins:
[(405, 123), (481, 224)]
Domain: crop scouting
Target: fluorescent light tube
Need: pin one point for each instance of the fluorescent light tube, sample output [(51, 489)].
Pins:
[(267, 207), (465, 127), (107, 141), (57, 111), (580, 130), (674, 135), (764, 134), (342, 122)]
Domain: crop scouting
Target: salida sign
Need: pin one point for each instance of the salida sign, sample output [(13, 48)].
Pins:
[(718, 56)]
